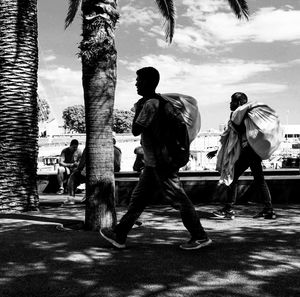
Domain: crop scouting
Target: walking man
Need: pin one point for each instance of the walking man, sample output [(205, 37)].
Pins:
[(246, 158), (155, 175)]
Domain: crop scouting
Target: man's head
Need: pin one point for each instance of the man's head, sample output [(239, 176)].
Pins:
[(238, 99), (74, 145), (147, 81)]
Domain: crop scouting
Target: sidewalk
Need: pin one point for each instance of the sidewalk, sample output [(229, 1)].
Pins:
[(249, 257)]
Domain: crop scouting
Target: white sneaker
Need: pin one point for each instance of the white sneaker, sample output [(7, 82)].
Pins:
[(196, 244)]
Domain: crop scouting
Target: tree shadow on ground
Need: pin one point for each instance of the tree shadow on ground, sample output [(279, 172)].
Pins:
[(256, 260)]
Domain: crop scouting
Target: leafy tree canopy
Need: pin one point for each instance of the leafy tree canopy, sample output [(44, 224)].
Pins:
[(122, 121), (43, 109), (74, 119)]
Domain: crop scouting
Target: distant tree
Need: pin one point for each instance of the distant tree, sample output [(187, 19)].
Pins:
[(74, 118), (43, 109), (122, 121)]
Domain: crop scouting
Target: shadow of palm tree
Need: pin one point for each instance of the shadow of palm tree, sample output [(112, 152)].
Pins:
[(39, 260)]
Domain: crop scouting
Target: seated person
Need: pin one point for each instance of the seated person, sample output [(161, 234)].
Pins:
[(68, 161), (79, 175), (139, 160)]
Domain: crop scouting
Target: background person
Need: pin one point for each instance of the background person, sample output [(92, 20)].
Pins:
[(139, 163), (79, 174), (244, 159), (68, 162)]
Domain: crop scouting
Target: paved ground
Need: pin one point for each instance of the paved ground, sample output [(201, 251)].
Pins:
[(248, 257)]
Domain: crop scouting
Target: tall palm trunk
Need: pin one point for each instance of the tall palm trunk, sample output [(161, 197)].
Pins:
[(99, 58), (18, 105)]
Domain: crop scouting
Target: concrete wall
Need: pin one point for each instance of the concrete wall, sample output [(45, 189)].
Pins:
[(202, 187)]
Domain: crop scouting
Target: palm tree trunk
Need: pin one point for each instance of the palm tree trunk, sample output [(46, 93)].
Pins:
[(99, 57), (18, 105)]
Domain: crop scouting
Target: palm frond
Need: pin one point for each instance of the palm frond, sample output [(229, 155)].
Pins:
[(72, 11), (240, 8), (167, 9)]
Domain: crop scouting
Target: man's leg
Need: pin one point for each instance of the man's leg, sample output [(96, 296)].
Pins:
[(174, 192), (60, 179), (262, 187), (73, 183), (141, 196), (231, 192)]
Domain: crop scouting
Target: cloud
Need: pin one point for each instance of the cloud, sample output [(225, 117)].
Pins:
[(61, 87), (130, 15), (267, 25), (213, 25), (49, 58), (210, 83)]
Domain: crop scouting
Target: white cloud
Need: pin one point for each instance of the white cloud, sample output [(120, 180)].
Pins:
[(267, 25), (209, 83), (130, 15), (49, 58), (61, 86), (213, 25), (47, 55), (196, 8)]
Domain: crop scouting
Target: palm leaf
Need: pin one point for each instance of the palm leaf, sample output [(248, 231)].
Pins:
[(240, 8), (167, 9), (72, 11)]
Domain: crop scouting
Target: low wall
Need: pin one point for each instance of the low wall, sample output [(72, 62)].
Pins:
[(202, 186)]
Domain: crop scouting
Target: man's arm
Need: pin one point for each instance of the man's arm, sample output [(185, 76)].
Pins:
[(136, 129), (62, 161), (82, 161), (117, 159)]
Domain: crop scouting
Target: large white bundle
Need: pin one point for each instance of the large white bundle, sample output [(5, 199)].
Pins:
[(263, 130), (188, 107)]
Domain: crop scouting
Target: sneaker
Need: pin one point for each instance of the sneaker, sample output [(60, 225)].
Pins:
[(60, 191), (195, 244), (109, 235), (225, 214), (266, 214)]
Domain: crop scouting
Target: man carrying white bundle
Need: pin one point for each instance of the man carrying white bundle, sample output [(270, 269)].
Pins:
[(253, 134)]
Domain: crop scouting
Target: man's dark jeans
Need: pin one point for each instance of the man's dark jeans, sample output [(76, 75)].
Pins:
[(151, 180), (249, 158)]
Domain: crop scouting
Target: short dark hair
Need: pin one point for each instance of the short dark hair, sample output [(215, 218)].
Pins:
[(240, 97), (150, 74), (74, 142)]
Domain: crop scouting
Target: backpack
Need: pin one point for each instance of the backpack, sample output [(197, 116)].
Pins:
[(177, 129)]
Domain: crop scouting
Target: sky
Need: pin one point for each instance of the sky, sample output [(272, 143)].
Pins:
[(213, 55)]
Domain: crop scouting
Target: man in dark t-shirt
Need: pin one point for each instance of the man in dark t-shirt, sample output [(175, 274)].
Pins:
[(155, 175), (68, 162), (79, 174)]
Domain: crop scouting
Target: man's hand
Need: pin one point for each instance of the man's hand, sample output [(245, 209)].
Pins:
[(211, 154)]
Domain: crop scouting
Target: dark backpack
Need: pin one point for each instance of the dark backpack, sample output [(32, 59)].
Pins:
[(173, 136)]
